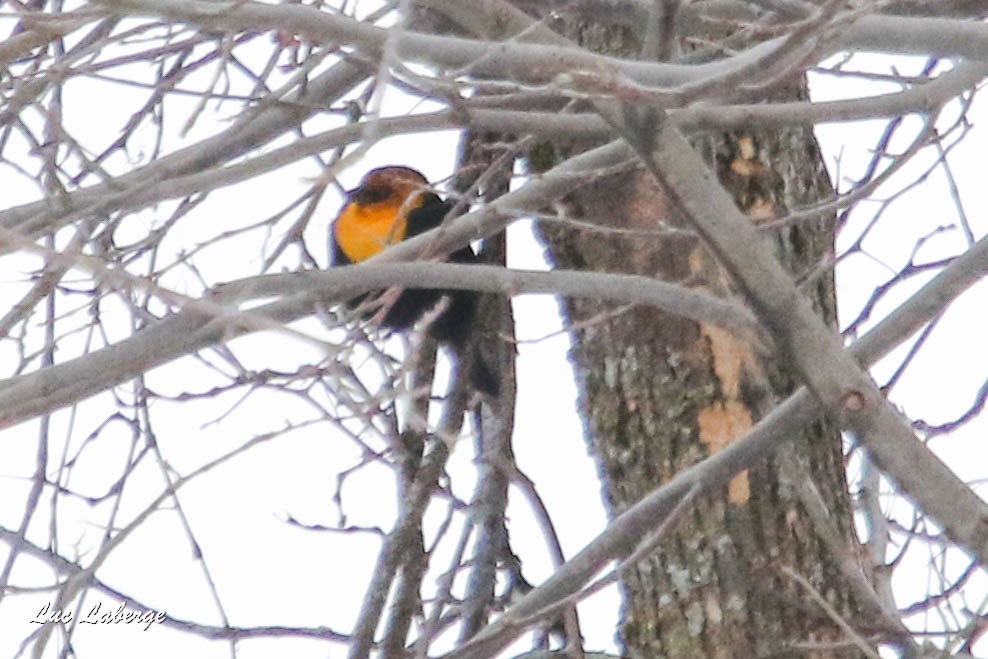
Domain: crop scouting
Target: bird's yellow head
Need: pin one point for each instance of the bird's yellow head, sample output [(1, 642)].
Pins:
[(376, 212)]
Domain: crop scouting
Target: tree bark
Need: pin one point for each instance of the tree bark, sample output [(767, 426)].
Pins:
[(660, 393)]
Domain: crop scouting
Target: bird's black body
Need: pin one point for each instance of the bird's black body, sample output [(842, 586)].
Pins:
[(376, 208)]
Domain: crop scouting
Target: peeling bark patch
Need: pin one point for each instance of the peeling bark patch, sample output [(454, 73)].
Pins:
[(720, 424), (746, 163), (746, 147), (853, 401), (731, 359), (761, 209), (723, 421)]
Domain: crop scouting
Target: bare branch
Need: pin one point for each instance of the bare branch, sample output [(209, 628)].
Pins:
[(836, 379)]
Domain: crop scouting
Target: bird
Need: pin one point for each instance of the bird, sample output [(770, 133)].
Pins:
[(392, 204)]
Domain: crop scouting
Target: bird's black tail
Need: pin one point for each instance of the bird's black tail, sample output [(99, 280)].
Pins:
[(483, 378), (456, 327)]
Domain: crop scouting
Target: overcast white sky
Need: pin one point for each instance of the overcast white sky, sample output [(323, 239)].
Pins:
[(269, 572)]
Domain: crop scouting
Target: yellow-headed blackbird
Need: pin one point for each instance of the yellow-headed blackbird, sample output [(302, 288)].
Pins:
[(390, 205)]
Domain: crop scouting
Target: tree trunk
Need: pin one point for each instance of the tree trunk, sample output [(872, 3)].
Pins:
[(660, 393)]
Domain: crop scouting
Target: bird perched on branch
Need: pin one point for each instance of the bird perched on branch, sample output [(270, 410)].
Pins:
[(390, 205)]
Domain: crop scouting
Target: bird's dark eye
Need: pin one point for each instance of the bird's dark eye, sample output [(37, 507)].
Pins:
[(366, 195)]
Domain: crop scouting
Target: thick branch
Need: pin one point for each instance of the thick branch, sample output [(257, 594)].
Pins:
[(841, 386), (211, 322)]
